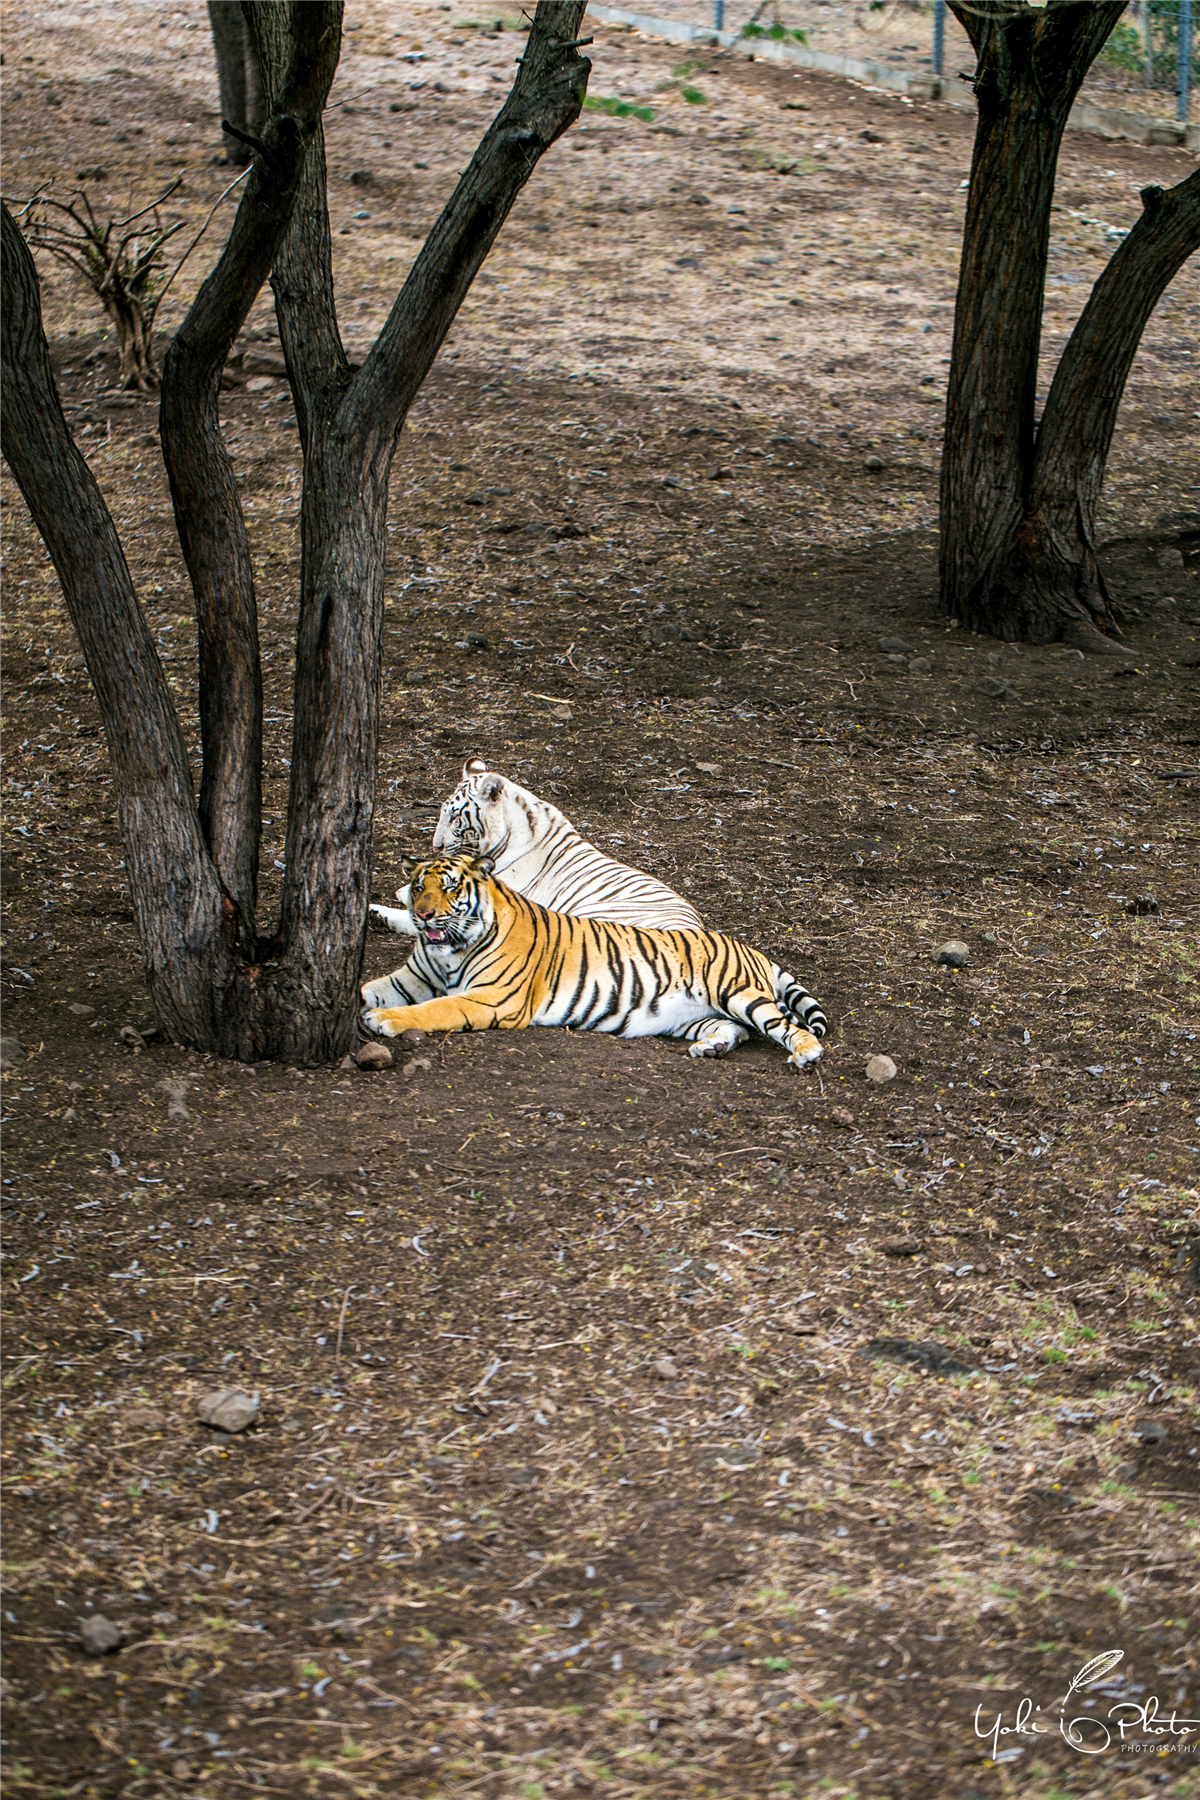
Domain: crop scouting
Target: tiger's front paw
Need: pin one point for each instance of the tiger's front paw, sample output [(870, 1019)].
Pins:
[(805, 1049), (377, 993), (386, 1021), (709, 1047), (395, 918)]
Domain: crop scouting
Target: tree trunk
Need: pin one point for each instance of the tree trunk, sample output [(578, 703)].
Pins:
[(229, 45), (135, 338), (350, 423), (208, 509), (1031, 63), (191, 870), (182, 923), (1052, 569)]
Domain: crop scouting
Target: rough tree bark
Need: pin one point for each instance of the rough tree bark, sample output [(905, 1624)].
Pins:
[(1018, 499), (237, 77), (1055, 556), (215, 983), (350, 423), (208, 511), (156, 809), (187, 885)]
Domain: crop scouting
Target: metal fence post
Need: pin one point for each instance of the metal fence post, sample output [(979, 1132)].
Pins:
[(1183, 82), (939, 36), (718, 15)]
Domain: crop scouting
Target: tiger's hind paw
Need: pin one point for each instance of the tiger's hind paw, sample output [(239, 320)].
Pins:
[(710, 1047), (805, 1049)]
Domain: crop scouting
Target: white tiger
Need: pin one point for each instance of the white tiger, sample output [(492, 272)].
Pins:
[(537, 851)]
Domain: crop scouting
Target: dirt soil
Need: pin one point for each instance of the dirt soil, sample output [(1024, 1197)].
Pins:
[(901, 32), (628, 1425)]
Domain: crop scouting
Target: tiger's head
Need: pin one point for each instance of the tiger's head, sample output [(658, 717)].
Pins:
[(450, 901), (483, 813)]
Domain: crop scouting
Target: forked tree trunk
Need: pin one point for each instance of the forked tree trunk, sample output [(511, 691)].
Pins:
[(215, 983), (1031, 63), (350, 423), (1053, 571), (208, 511), (188, 884)]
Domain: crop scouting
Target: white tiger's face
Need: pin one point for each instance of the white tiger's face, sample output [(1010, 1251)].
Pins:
[(476, 817)]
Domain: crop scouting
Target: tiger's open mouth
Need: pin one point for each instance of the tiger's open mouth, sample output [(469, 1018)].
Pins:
[(435, 934)]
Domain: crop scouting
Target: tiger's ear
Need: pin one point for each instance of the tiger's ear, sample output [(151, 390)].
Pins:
[(408, 867), (493, 790), (485, 867), (474, 765)]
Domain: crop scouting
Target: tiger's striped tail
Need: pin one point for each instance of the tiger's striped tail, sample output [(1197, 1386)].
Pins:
[(799, 1005)]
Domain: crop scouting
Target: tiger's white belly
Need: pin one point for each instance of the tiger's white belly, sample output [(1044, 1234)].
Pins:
[(665, 1015)]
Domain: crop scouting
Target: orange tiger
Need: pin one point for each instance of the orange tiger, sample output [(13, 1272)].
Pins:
[(487, 958)]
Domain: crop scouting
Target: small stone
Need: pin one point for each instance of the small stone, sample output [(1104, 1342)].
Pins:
[(99, 1635), (993, 688), (900, 1246), (874, 463), (260, 384), (346, 1063), (1151, 1431), (176, 1103), (921, 665), (412, 1041), (227, 1409), (722, 473), (373, 1056), (361, 178), (954, 954), (1145, 906), (814, 1192), (81, 1009), (892, 646), (666, 1368), (546, 1406), (415, 1064), (181, 1770), (881, 1068), (11, 1051), (710, 768), (841, 1115), (71, 1116), (142, 1417), (130, 1038), (989, 937)]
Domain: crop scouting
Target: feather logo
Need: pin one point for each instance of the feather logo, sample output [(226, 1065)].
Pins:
[(1093, 1671)]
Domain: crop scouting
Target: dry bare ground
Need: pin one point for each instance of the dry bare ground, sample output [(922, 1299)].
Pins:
[(628, 1425)]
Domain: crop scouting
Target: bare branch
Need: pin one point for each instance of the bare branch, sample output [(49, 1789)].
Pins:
[(120, 224), (208, 221)]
